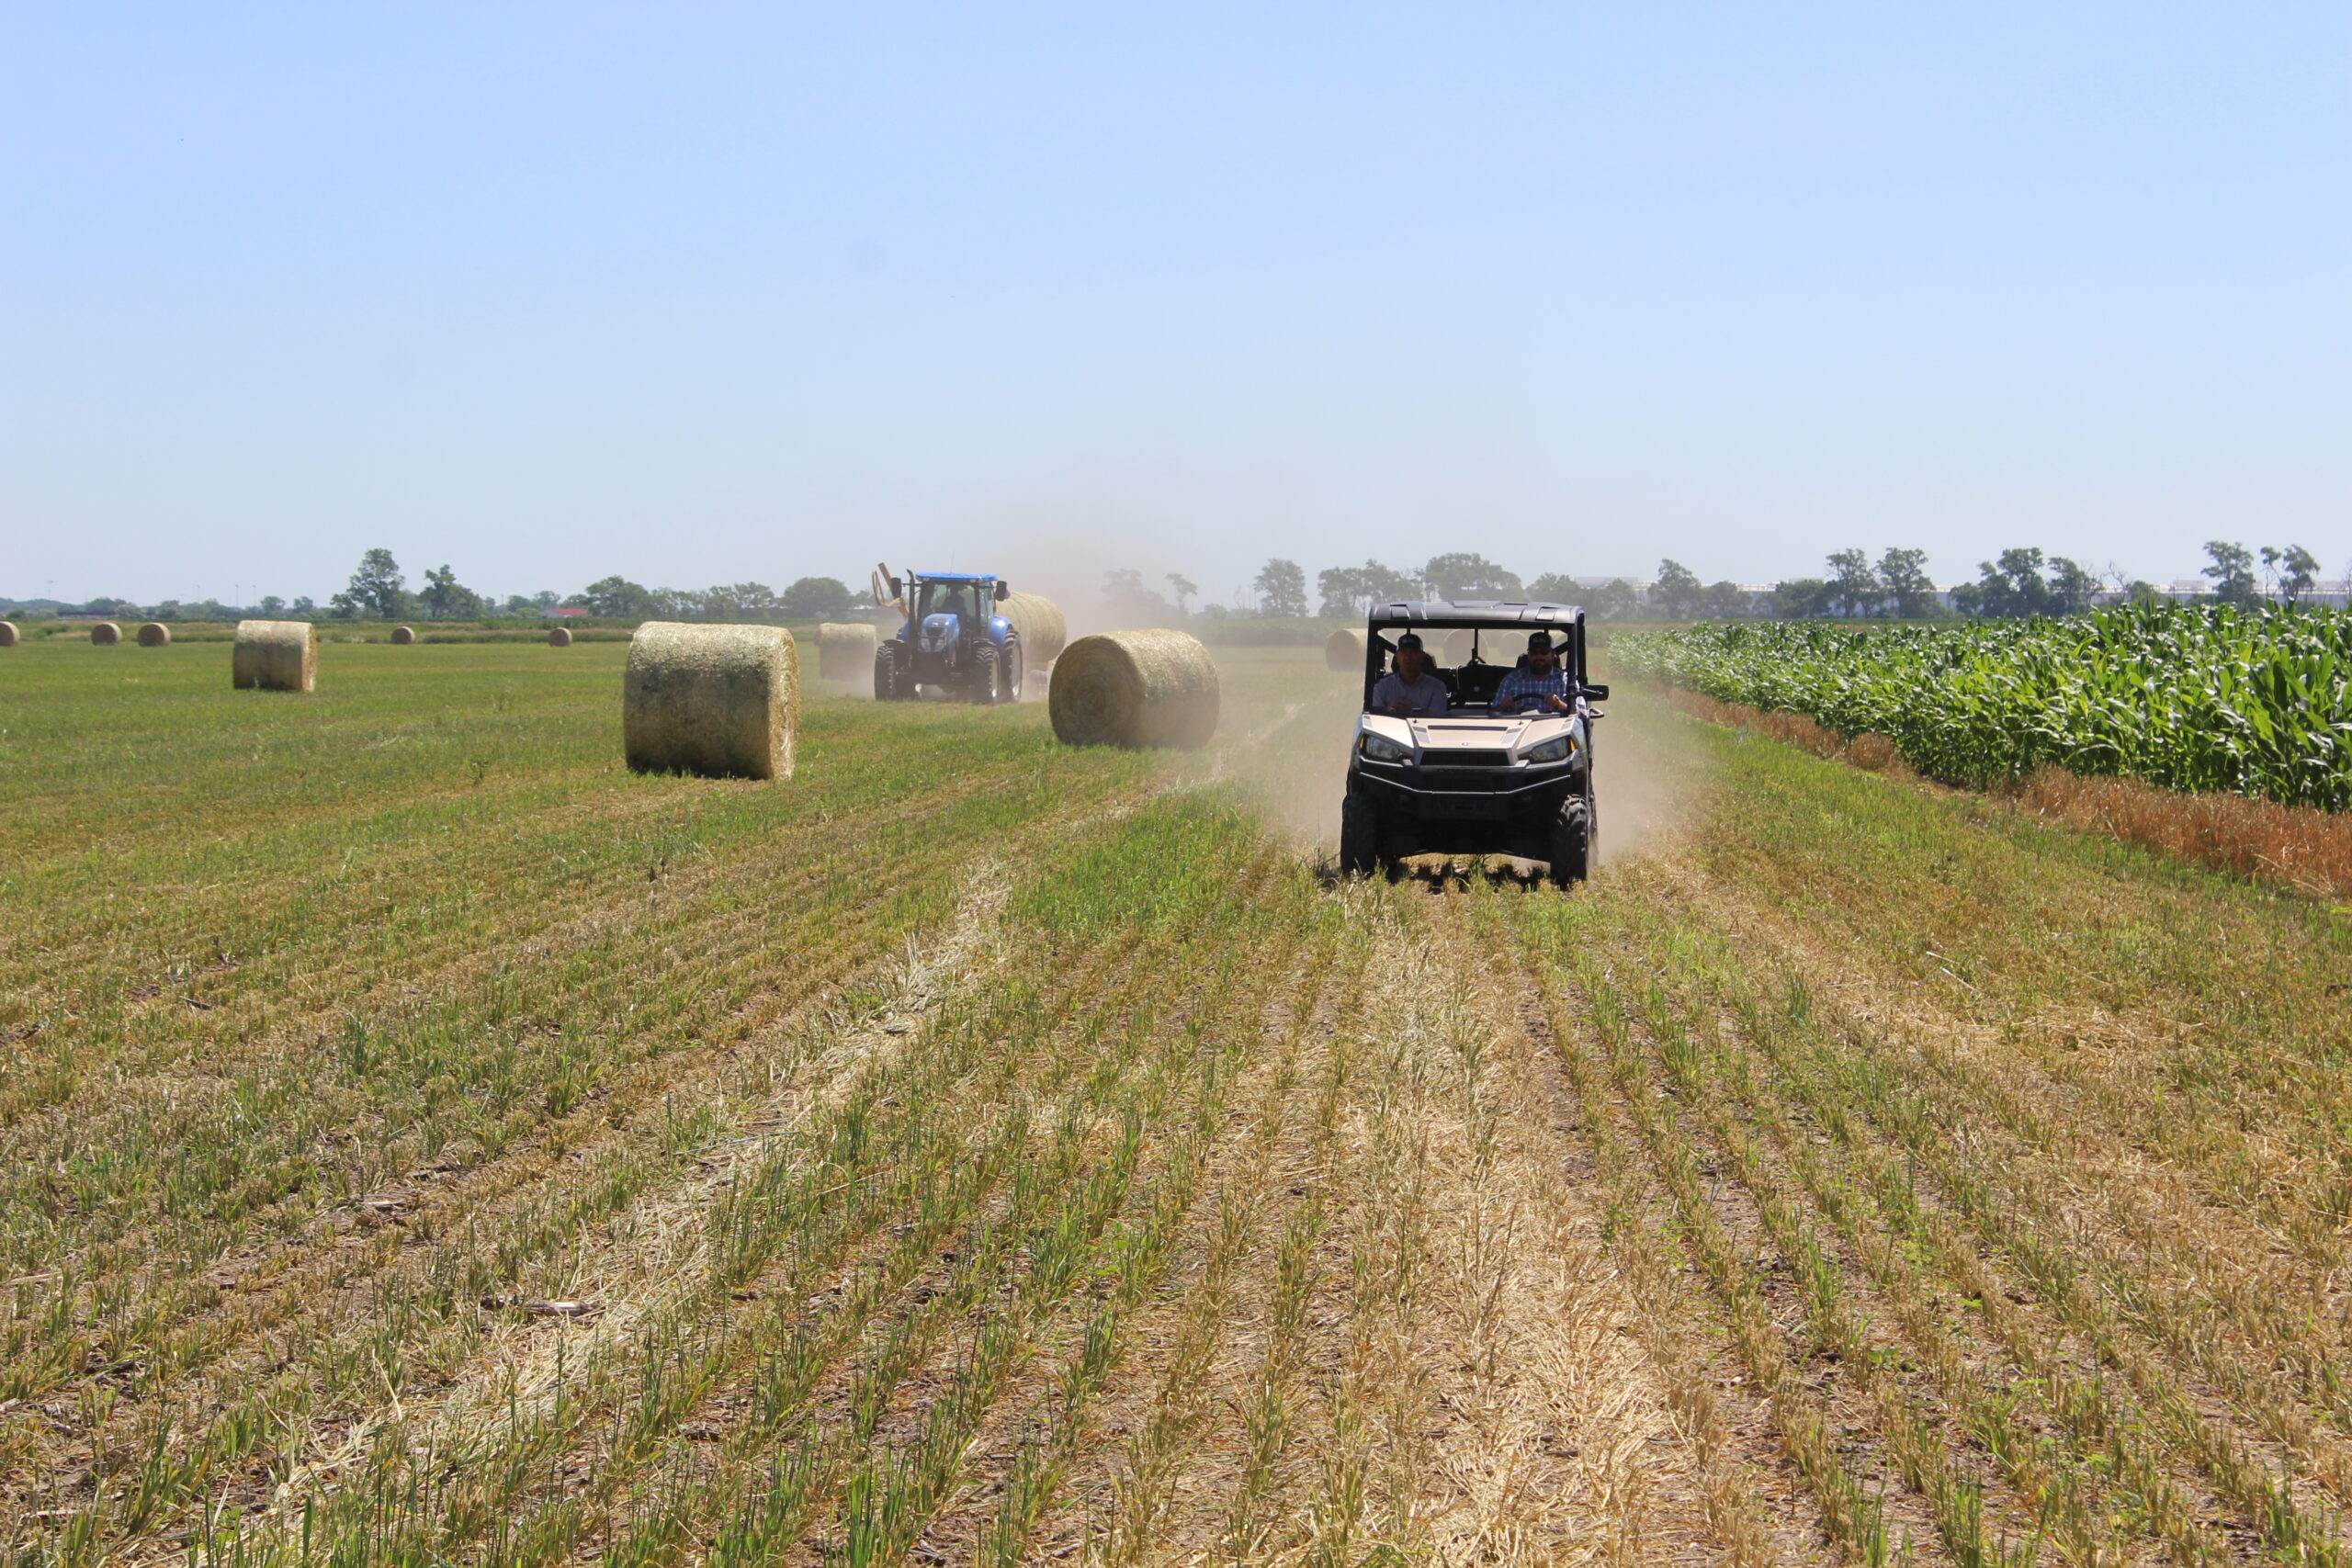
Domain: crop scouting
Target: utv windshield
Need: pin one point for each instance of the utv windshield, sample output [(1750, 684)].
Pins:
[(1468, 661)]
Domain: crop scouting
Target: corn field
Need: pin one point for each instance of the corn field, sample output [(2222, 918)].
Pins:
[(2201, 700)]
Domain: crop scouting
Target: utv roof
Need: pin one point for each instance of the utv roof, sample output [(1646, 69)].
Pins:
[(1473, 612)]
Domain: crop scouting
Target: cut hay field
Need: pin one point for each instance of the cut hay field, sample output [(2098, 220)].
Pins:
[(424, 1141)]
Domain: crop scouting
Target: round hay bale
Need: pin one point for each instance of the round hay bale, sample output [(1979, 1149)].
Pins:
[(559, 637), (1343, 651), (1134, 689), (106, 634), (717, 700), (8, 634), (403, 636), (845, 650), (1458, 645), (1039, 622), (275, 656), (154, 634)]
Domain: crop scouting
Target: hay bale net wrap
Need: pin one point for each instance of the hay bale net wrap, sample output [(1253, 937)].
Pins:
[(106, 634), (1039, 622), (717, 700), (1343, 651), (560, 636), (8, 634), (154, 634), (273, 655), (845, 649), (403, 636), (1136, 689)]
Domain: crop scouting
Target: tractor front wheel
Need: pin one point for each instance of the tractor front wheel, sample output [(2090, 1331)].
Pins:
[(1008, 672), (984, 661), (885, 672)]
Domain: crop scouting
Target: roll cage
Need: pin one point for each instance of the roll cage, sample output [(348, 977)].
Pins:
[(1498, 631)]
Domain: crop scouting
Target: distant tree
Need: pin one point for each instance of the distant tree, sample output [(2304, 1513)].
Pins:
[(1854, 587), (271, 604), (1800, 598), (377, 588), (1611, 601), (1555, 588), (1726, 601), (546, 599), (807, 599), (2145, 593), (1125, 597), (445, 597), (1904, 573), (2233, 573), (2296, 569), (1350, 591), (615, 598), (1282, 588), (302, 606), (1677, 594), (1182, 587), (2010, 586), (1462, 575), (519, 604), (2070, 587)]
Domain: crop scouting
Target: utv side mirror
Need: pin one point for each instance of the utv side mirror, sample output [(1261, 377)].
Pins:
[(1598, 693), (1003, 591)]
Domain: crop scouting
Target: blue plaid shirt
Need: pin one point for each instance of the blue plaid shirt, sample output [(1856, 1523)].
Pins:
[(1522, 684)]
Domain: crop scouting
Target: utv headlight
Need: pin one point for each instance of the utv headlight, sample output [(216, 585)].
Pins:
[(1559, 749), (1380, 749)]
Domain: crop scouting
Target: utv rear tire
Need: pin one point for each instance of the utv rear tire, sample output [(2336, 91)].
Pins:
[(984, 663), (1571, 857), (885, 672), (1359, 836)]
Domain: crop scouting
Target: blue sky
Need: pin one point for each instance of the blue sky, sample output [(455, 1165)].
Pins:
[(704, 293)]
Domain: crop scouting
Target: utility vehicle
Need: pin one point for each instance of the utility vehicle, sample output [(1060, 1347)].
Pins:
[(1473, 781), (953, 638)]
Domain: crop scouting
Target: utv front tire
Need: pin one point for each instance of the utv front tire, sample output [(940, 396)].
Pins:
[(1359, 836), (1571, 857)]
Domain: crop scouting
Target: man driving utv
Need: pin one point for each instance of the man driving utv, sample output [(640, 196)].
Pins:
[(1537, 683), (1409, 688)]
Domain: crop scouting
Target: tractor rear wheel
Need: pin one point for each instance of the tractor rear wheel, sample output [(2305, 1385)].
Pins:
[(885, 672), (1571, 856), (984, 663), (1359, 836)]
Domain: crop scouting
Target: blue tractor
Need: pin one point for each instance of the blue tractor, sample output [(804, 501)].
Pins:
[(955, 637)]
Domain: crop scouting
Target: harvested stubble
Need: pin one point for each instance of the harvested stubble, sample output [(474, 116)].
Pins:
[(717, 700), (845, 650), (106, 634), (1043, 631), (560, 636), (154, 634), (8, 634), (403, 636), (275, 656), (1136, 689), (1343, 651)]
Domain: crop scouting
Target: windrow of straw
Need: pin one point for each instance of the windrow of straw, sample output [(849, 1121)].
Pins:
[(403, 636), (154, 634), (8, 634), (560, 636), (1343, 651), (845, 650), (1136, 689), (275, 656), (721, 701), (106, 634), (1039, 624)]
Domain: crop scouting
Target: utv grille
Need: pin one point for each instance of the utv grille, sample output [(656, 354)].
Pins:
[(1466, 758)]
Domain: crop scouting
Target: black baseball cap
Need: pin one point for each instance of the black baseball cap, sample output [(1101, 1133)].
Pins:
[(1410, 639), (1539, 642)]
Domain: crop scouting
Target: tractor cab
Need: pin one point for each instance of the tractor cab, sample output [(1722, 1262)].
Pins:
[(1501, 768)]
